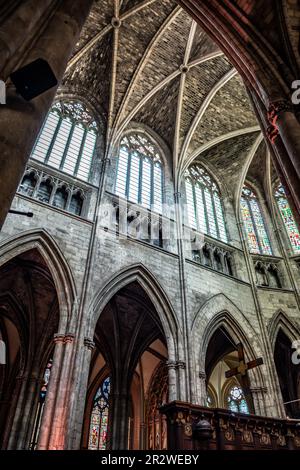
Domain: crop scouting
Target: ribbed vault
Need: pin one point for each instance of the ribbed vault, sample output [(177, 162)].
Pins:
[(148, 62)]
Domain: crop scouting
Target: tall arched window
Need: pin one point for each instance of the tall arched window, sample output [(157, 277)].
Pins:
[(205, 211), (235, 399), (67, 140), (258, 239), (140, 172), (287, 217), (99, 417)]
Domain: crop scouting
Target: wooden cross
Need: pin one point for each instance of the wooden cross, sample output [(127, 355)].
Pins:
[(242, 370)]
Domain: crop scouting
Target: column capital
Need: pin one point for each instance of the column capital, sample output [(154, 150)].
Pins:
[(180, 365), (59, 338), (69, 338), (89, 343), (171, 365), (63, 338)]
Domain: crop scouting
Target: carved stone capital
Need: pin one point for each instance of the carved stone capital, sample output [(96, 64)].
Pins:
[(89, 343), (171, 365), (69, 338), (63, 338), (181, 365), (59, 338)]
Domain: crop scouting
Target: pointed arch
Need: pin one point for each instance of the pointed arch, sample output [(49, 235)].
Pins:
[(221, 311), (140, 274), (280, 321), (60, 270)]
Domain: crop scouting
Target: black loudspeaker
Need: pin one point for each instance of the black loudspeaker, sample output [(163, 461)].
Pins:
[(34, 79)]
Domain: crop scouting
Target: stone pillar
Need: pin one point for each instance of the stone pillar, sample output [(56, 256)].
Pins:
[(202, 388), (78, 397), (119, 420), (24, 432), (181, 367), (258, 396), (18, 25), (173, 392), (15, 412), (54, 420), (21, 121), (58, 433), (282, 118)]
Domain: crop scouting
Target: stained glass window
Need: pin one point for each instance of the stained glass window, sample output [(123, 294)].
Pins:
[(140, 172), (99, 417), (67, 140), (235, 400), (288, 218), (255, 229), (205, 210)]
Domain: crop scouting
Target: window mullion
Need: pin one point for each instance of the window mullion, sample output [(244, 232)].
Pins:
[(215, 214), (141, 164), (205, 210), (128, 173), (67, 146), (80, 152), (254, 227), (50, 148), (152, 184), (195, 204)]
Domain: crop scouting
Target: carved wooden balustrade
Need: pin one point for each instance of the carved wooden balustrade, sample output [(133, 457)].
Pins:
[(192, 427)]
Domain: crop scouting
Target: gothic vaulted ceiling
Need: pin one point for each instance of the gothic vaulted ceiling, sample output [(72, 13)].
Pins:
[(148, 62)]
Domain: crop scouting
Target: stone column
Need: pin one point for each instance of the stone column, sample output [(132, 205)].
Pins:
[(21, 121), (202, 388), (15, 412), (79, 392), (173, 392), (53, 428), (58, 435), (119, 421), (18, 25), (258, 396), (181, 366), (282, 117)]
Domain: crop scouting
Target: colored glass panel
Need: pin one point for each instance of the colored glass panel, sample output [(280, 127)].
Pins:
[(99, 417), (288, 218), (258, 240)]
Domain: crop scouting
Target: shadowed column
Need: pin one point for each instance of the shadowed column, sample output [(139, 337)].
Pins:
[(20, 121)]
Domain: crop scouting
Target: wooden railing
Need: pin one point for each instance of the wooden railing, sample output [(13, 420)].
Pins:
[(192, 427)]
